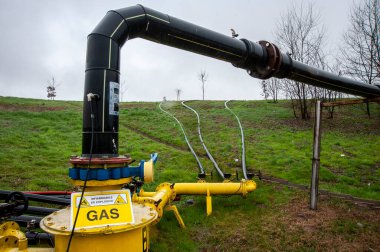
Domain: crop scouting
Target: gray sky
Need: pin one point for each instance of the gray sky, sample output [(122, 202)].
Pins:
[(45, 38)]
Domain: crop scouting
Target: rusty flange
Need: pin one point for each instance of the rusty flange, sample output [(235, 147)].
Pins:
[(274, 59), (101, 161)]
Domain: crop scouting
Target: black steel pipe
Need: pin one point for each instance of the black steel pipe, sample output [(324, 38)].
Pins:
[(24, 220), (262, 60), (298, 71), (35, 238), (40, 210), (39, 198)]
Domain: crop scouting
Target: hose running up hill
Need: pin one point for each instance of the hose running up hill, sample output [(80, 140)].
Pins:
[(201, 170), (221, 174), (243, 165)]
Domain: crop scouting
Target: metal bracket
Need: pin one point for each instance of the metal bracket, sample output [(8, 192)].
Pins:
[(176, 214)]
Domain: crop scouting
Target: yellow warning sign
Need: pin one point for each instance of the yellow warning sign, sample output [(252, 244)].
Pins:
[(84, 203), (119, 200), (101, 208)]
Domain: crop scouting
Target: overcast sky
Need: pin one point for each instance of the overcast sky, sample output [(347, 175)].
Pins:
[(45, 38)]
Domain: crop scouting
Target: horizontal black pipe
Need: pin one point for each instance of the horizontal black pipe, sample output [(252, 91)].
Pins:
[(320, 78), (23, 220), (39, 198), (35, 238), (40, 210), (262, 60)]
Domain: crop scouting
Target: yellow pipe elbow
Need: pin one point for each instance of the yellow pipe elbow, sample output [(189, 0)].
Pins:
[(158, 199)]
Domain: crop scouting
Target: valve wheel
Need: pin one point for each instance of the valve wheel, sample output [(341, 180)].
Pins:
[(17, 199)]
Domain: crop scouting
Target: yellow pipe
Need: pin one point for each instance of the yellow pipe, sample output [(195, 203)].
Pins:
[(143, 193), (229, 188), (165, 193)]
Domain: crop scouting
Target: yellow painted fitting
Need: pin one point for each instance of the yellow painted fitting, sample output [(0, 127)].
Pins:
[(208, 201), (143, 193), (242, 188), (148, 171), (11, 238), (164, 194), (104, 183), (208, 205), (176, 214)]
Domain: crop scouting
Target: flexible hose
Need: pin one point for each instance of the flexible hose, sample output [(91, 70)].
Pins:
[(243, 165), (201, 170), (203, 144)]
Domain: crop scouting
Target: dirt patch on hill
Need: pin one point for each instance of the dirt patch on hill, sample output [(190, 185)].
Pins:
[(334, 226)]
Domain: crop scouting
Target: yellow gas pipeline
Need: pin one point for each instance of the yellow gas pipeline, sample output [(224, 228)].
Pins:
[(225, 188), (147, 209)]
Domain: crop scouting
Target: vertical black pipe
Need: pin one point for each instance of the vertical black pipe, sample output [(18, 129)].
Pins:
[(102, 62), (102, 77)]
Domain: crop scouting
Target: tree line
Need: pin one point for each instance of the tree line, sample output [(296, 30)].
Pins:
[(300, 33)]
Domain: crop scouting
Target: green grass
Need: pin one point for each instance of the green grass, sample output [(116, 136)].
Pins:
[(37, 138)]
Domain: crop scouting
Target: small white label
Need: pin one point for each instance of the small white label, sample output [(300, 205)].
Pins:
[(114, 98)]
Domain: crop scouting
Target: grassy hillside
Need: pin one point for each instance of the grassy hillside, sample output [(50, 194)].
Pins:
[(37, 138), (277, 144)]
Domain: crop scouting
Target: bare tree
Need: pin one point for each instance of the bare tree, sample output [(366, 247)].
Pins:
[(264, 88), (329, 95), (361, 42), (178, 93), (271, 88), (203, 76), (51, 88), (300, 33)]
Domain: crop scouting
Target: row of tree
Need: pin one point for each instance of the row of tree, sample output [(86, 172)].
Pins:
[(300, 33)]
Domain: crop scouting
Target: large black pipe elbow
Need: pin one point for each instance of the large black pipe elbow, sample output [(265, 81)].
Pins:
[(102, 77), (262, 60), (103, 62)]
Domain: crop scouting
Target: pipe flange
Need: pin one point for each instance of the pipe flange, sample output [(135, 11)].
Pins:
[(274, 59), (170, 186)]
